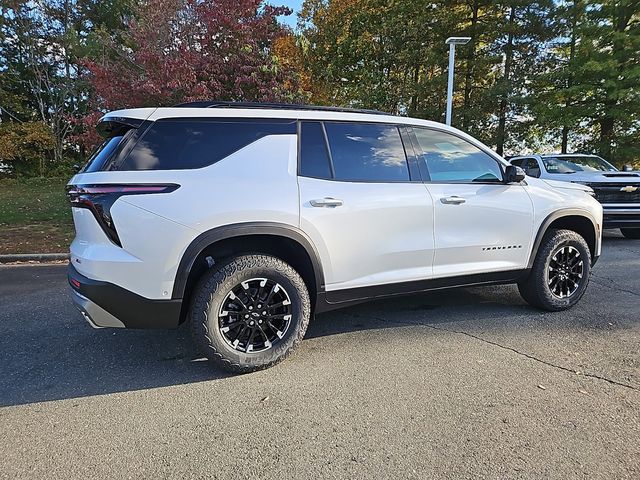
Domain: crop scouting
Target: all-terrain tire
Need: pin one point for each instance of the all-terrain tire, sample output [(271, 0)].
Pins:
[(633, 233), (212, 290), (535, 289)]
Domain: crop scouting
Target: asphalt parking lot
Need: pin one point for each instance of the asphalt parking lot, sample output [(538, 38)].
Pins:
[(457, 384)]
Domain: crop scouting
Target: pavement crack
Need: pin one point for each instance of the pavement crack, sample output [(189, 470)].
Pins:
[(615, 286), (532, 357), (504, 347)]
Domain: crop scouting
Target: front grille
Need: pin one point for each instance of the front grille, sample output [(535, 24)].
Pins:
[(612, 193)]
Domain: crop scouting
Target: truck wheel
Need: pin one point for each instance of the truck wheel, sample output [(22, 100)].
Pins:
[(249, 313), (560, 272), (631, 233)]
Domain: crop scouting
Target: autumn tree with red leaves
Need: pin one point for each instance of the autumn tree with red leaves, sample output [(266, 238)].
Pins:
[(186, 50)]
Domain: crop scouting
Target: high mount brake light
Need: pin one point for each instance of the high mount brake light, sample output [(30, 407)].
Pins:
[(100, 198)]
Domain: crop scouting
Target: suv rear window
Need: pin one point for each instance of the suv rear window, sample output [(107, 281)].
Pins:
[(179, 144), (102, 154)]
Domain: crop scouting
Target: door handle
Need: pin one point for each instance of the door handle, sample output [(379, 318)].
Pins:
[(452, 200), (326, 202)]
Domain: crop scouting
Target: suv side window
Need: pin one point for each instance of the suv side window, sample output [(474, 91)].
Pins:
[(452, 159), (103, 154), (367, 152), (314, 157), (178, 144)]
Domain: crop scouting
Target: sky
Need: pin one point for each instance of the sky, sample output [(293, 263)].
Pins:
[(294, 5)]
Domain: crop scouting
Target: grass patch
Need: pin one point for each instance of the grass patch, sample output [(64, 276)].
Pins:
[(35, 216)]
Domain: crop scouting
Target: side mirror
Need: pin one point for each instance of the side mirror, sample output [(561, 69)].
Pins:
[(627, 168), (513, 174)]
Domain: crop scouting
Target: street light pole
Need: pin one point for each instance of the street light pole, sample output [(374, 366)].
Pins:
[(452, 42)]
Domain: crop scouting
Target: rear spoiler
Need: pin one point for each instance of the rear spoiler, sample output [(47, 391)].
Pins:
[(112, 126)]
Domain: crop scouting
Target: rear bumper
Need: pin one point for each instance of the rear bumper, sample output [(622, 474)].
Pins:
[(104, 304), (621, 217)]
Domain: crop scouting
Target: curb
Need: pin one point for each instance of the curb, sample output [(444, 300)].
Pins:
[(33, 257)]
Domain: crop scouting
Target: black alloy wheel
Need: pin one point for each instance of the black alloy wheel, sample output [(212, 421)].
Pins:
[(560, 272), (249, 312), (255, 315), (565, 271)]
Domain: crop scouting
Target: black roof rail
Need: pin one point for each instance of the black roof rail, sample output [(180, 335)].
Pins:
[(280, 106)]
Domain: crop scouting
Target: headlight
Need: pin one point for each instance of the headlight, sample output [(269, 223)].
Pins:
[(589, 190)]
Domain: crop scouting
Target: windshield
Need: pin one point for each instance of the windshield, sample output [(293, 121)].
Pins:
[(575, 164)]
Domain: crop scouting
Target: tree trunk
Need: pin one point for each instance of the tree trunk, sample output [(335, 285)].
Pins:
[(413, 104), (504, 104), (607, 121), (468, 80), (572, 52), (565, 139)]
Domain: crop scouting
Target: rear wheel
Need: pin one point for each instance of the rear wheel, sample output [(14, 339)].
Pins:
[(249, 313), (560, 272), (633, 233)]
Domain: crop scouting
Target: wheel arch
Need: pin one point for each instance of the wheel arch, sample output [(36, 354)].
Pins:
[(283, 241), (579, 221)]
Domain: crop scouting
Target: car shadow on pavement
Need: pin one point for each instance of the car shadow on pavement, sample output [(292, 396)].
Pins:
[(50, 353), (53, 354), (438, 307), (88, 362)]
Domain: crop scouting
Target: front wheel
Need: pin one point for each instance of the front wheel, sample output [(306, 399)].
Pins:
[(633, 233), (249, 313), (560, 272)]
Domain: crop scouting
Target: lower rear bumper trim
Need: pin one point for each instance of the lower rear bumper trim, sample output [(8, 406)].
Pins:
[(109, 305), (94, 314)]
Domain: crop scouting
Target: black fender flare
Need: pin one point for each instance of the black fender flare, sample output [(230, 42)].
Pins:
[(214, 235), (558, 214)]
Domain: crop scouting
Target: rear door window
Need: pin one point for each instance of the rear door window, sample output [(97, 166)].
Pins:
[(367, 152), (314, 157), (178, 144)]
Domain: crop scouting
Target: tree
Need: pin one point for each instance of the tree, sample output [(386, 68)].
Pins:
[(378, 54), (527, 29), (23, 146), (480, 67), (609, 75), (590, 90), (41, 43), (185, 50)]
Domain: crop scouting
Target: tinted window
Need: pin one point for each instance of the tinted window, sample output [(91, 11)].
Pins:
[(314, 158), (182, 144), (102, 154), (367, 152), (452, 159), (518, 162), (533, 168)]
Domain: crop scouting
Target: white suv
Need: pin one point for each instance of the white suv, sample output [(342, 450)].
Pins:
[(245, 219)]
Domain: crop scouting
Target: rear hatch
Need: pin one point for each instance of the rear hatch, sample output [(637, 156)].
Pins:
[(89, 191)]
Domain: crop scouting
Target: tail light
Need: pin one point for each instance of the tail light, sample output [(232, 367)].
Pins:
[(99, 199)]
